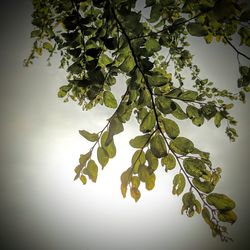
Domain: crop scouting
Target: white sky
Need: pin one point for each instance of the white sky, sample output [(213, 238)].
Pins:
[(43, 208)]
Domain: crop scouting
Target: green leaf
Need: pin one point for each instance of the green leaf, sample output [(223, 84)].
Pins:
[(165, 105), (209, 111), (148, 122), (155, 13), (124, 112), (220, 201), (61, 93), (91, 170), (196, 29), (190, 204), (48, 46), (135, 181), (135, 193), (115, 127), (194, 167), (203, 186), (217, 119), (182, 145), (110, 149), (206, 215), (171, 128), (109, 100), (158, 146), (102, 156), (152, 46), (174, 93), (125, 179), (189, 95), (138, 159), (192, 112), (139, 141), (35, 33), (93, 137), (143, 173), (179, 113), (75, 68), (128, 64), (152, 160), (104, 60), (187, 200), (197, 205), (198, 121), (179, 183), (227, 216), (78, 170), (169, 162), (156, 80), (132, 21), (150, 181), (126, 176), (84, 158), (83, 179)]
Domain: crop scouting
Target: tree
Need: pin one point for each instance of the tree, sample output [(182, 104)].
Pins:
[(98, 40)]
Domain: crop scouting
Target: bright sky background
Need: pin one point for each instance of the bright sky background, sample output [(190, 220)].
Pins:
[(43, 208)]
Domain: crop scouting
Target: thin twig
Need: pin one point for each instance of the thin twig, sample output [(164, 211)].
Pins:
[(237, 51)]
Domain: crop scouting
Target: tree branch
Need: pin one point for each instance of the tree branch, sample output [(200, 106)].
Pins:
[(237, 51)]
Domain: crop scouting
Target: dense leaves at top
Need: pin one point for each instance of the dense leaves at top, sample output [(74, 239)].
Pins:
[(147, 42)]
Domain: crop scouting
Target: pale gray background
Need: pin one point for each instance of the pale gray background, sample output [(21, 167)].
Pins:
[(42, 208)]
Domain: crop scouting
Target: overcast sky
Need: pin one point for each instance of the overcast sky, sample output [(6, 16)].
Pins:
[(43, 208)]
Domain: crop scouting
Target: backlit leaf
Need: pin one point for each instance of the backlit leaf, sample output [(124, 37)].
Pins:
[(171, 128), (84, 158), (158, 146), (143, 173), (125, 179), (217, 119), (139, 141), (168, 161), (203, 186), (83, 179), (220, 201), (227, 216), (152, 45), (110, 149), (135, 181), (179, 113), (89, 136), (109, 99), (152, 160), (194, 166), (135, 193), (182, 145), (150, 181), (91, 170), (148, 122), (165, 105), (128, 64), (179, 183), (189, 95), (115, 127), (138, 159), (102, 156), (206, 215)]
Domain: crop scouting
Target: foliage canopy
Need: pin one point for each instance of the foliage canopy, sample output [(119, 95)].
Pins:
[(146, 41)]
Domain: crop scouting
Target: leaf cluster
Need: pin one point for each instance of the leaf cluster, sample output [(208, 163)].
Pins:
[(98, 40)]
